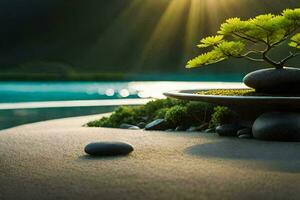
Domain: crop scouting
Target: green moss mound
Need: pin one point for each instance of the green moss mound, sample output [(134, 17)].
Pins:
[(222, 115), (242, 92), (177, 115), (175, 112), (229, 92)]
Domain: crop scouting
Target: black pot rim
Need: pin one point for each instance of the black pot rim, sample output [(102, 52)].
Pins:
[(249, 102), (192, 94)]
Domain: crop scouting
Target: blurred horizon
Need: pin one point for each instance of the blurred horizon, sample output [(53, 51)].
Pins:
[(118, 39)]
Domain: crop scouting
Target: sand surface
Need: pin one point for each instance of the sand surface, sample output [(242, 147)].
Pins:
[(46, 161)]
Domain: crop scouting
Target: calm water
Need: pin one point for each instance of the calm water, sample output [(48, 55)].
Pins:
[(57, 91), (14, 93)]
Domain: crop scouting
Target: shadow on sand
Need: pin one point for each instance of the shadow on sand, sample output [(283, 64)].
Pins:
[(97, 158), (275, 156)]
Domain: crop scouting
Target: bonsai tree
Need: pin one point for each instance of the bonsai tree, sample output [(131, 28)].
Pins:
[(253, 39)]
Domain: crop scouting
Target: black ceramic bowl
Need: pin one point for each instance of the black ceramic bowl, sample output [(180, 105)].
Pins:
[(248, 107)]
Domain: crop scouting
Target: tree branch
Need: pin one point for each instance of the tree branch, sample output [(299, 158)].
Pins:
[(249, 58), (254, 59), (286, 35), (269, 60), (298, 43), (263, 28), (245, 37), (252, 52), (257, 39), (292, 55)]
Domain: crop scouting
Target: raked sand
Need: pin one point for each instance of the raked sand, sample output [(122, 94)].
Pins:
[(46, 161)]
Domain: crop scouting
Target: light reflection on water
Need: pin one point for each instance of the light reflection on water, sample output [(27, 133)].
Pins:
[(11, 92), (156, 89), (55, 91)]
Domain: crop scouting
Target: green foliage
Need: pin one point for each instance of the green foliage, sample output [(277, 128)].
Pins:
[(206, 59), (199, 112), (221, 51), (175, 112), (104, 122), (135, 114), (125, 114), (267, 28), (152, 107), (176, 115), (292, 15), (232, 48), (295, 41), (233, 25), (240, 38), (222, 115), (210, 41), (161, 113)]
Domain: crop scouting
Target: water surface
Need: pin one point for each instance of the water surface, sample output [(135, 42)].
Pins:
[(64, 95)]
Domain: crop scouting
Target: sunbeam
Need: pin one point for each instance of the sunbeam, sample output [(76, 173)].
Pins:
[(190, 18), (148, 33), (194, 21), (166, 28)]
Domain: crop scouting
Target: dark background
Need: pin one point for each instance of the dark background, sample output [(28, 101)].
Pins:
[(110, 39)]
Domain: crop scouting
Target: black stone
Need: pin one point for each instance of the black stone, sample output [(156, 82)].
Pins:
[(245, 136), (202, 127), (134, 128), (141, 124), (244, 131), (279, 126), (272, 81), (159, 124), (209, 130), (228, 130), (128, 126), (180, 128), (192, 129), (108, 149)]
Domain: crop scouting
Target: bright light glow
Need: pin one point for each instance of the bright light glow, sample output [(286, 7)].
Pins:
[(110, 92), (124, 93), (156, 89), (168, 23), (182, 23), (163, 34)]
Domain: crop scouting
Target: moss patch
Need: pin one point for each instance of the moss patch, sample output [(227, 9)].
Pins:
[(242, 92), (229, 92), (222, 115), (175, 112)]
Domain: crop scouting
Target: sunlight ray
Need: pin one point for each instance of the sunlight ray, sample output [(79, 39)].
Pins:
[(194, 23), (120, 20), (166, 27)]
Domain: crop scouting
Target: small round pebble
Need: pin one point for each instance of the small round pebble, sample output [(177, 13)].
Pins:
[(227, 129), (180, 128), (141, 125), (108, 149), (245, 131), (157, 125), (134, 128), (245, 136)]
